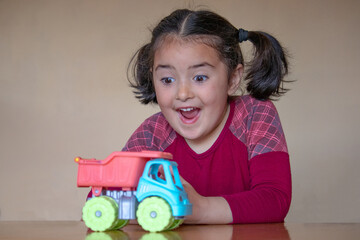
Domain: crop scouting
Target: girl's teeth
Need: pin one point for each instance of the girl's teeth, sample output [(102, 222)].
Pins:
[(187, 109)]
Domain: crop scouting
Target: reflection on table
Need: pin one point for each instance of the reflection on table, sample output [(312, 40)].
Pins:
[(198, 232), (52, 230)]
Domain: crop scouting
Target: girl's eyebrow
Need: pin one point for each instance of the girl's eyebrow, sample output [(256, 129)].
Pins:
[(164, 66), (203, 64)]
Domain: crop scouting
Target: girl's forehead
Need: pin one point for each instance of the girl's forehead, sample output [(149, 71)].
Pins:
[(185, 51)]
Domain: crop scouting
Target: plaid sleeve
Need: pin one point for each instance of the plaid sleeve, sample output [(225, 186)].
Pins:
[(264, 130), (154, 134)]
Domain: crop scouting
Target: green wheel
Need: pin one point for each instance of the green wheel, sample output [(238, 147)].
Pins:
[(175, 224), (100, 213), (154, 214), (120, 223)]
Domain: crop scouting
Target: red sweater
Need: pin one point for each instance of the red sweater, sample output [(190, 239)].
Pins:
[(248, 164)]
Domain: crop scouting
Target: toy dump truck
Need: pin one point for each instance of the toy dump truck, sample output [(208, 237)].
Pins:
[(133, 185)]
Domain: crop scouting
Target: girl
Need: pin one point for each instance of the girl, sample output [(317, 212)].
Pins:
[(231, 151)]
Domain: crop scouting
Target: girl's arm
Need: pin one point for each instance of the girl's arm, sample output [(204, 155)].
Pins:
[(268, 199)]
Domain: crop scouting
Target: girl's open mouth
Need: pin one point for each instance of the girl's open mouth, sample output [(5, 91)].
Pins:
[(189, 115)]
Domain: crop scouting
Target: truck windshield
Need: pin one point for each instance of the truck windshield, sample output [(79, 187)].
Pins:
[(157, 173)]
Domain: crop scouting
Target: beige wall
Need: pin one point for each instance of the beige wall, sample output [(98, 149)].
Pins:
[(63, 93)]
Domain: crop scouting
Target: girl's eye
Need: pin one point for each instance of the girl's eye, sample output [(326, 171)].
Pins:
[(167, 80), (200, 78)]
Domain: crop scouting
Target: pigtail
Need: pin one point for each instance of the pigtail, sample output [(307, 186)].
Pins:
[(268, 67), (140, 68)]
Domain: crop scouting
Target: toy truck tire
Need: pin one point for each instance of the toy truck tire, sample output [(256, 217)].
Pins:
[(100, 213), (154, 214)]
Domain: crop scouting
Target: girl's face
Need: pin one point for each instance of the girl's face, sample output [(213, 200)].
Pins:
[(192, 86)]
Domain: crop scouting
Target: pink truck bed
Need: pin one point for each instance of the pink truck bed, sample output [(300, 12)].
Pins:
[(119, 169)]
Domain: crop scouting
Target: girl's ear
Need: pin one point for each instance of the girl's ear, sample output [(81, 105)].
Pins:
[(235, 79)]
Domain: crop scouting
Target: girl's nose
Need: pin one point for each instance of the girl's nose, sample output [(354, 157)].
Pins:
[(184, 92)]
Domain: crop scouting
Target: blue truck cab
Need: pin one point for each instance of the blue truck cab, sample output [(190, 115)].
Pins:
[(161, 179)]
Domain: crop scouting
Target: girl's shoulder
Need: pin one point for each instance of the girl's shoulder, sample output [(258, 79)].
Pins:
[(247, 106), (157, 125), (257, 124), (155, 133), (156, 119)]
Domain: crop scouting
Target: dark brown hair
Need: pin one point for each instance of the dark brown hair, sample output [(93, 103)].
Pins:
[(266, 70)]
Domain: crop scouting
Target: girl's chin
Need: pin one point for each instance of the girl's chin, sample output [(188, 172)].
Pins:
[(189, 135)]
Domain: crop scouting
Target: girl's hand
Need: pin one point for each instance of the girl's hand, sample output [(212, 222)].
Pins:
[(206, 210), (199, 203)]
